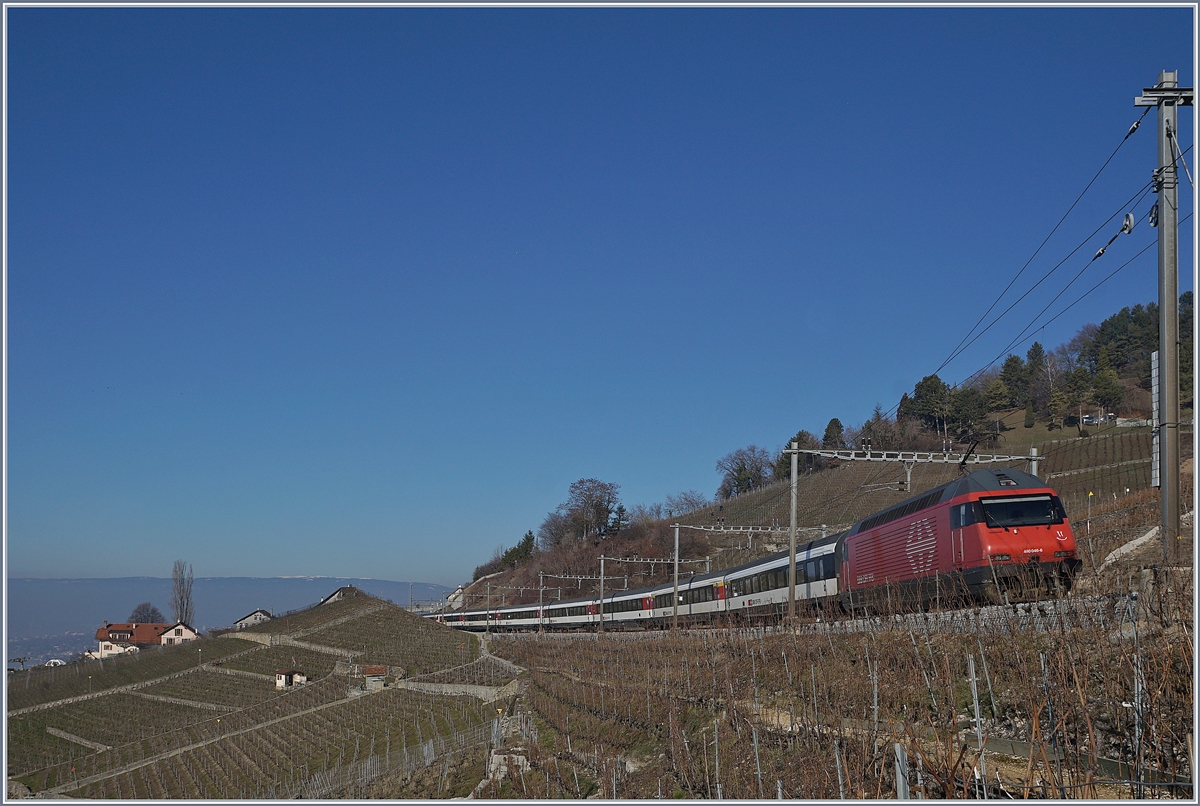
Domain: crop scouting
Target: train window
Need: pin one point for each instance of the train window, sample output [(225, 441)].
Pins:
[(810, 571), (827, 571), (1026, 510), (964, 515)]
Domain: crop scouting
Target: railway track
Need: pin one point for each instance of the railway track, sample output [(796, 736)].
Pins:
[(1112, 612)]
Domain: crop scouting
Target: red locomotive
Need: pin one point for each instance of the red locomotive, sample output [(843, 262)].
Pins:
[(994, 535)]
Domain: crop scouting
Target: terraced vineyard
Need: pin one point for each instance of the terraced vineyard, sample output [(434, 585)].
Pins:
[(485, 671), (397, 638), (268, 660), (316, 616), (42, 685), (217, 688), (269, 759), (160, 726)]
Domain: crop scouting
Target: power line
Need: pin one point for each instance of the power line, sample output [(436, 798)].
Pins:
[(956, 350), (1135, 199), (1049, 304), (1141, 192)]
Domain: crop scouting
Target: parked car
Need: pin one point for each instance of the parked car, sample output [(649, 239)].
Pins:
[(56, 662), (1089, 419)]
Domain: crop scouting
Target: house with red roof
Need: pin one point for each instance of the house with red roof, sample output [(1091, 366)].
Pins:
[(124, 639)]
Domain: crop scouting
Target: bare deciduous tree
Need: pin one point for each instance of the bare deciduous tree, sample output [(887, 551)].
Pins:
[(146, 613), (553, 530), (590, 505), (181, 593), (687, 502), (647, 513), (745, 469)]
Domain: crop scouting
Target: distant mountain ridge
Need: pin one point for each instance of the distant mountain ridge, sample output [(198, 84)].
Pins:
[(55, 617)]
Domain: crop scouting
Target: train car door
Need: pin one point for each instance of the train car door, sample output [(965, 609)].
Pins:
[(960, 516)]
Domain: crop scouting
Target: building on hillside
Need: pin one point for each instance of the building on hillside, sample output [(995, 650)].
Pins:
[(455, 599), (257, 617), (178, 633), (374, 676), (123, 639), (344, 592), (285, 678)]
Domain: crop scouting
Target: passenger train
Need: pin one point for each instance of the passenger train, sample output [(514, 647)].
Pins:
[(991, 536)]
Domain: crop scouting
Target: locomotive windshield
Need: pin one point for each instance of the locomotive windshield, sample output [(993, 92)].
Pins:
[(1026, 510)]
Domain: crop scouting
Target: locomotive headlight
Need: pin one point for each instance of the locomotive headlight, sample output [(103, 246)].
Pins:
[(1064, 554), (998, 557)]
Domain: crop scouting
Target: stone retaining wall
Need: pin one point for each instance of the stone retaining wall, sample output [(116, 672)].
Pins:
[(485, 693)]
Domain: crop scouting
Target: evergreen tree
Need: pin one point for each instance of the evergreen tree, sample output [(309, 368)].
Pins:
[(998, 396), (931, 401), (620, 519), (835, 436), (1058, 407), (1039, 381), (968, 412), (782, 471), (1107, 389), (1015, 375)]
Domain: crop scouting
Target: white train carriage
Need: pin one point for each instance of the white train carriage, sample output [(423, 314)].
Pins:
[(762, 585), (753, 588), (629, 607)]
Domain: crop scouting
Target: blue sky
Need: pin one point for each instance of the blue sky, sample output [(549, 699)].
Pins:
[(360, 292)]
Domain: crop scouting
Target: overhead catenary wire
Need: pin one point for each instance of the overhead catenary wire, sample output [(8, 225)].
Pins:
[(958, 349), (1083, 296), (1120, 211), (1141, 192), (1026, 333), (1033, 324), (1132, 200)]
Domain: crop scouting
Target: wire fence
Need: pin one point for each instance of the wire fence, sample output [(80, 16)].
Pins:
[(354, 778)]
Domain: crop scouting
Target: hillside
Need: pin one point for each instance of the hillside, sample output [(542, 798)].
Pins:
[(57, 618), (1111, 462), (206, 720)]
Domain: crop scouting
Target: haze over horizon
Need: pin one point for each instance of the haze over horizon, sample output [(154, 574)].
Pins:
[(359, 292)]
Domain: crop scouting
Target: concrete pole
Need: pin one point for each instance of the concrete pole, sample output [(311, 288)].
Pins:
[(675, 596), (1033, 461), (541, 588), (487, 615), (600, 607), (792, 541), (1168, 329)]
